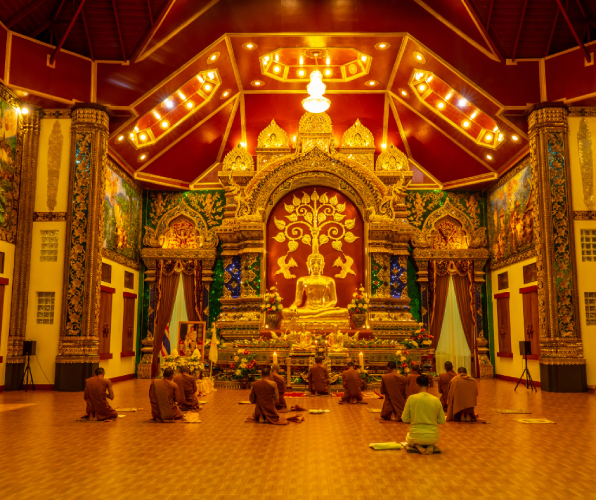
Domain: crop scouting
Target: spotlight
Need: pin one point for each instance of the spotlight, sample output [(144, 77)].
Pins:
[(182, 96), (189, 104), (448, 96), (207, 87), (168, 103), (462, 102), (164, 124), (211, 75), (489, 157), (121, 138), (421, 87), (301, 73), (157, 115), (466, 124), (441, 105), (515, 137), (474, 115), (143, 137), (276, 69), (488, 137), (328, 72)]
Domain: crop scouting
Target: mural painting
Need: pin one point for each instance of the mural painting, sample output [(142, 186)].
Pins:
[(8, 146)]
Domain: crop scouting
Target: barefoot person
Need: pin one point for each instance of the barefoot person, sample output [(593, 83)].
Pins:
[(424, 413), (444, 381), (352, 384), (393, 387), (264, 395), (318, 378), (463, 397), (98, 390), (163, 395), (412, 386), (187, 386), (281, 404)]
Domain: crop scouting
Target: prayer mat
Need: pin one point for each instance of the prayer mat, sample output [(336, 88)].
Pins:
[(191, 418), (412, 449), (534, 421), (514, 411), (374, 410), (385, 446), (317, 412), (127, 409), (244, 403), (121, 416)]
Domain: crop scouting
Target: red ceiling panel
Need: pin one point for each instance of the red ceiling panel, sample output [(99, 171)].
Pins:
[(3, 38), (572, 63), (235, 135)]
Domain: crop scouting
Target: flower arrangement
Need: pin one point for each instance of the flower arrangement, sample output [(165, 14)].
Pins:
[(403, 361), (272, 301), (359, 303), (170, 361), (244, 364), (420, 340), (194, 363)]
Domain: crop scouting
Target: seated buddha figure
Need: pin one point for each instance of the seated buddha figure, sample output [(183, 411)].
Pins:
[(321, 296)]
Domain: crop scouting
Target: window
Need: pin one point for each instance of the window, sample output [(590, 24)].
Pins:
[(504, 323), (129, 280), (49, 246), (128, 325), (106, 273), (530, 273), (590, 298), (1, 262), (45, 308), (105, 324), (588, 243), (503, 280)]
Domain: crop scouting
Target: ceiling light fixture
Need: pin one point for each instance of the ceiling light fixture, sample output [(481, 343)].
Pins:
[(515, 137), (225, 93), (328, 61), (132, 136), (501, 137), (419, 57), (301, 60), (157, 115), (440, 105), (301, 73), (462, 102), (328, 72), (143, 137), (276, 57), (24, 110), (189, 104), (207, 87), (201, 79), (474, 114), (363, 58), (489, 157), (276, 69), (136, 129), (182, 96), (121, 138), (213, 57), (496, 129), (421, 87), (257, 83), (371, 83), (165, 124), (466, 124), (211, 75), (448, 96), (488, 137), (142, 157), (430, 78), (316, 103), (382, 45), (249, 45)]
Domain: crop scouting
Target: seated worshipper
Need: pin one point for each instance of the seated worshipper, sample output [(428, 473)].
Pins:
[(164, 394), (393, 387), (444, 381), (264, 395), (318, 378), (424, 413), (463, 397), (281, 405), (188, 390), (97, 391), (412, 386), (352, 384)]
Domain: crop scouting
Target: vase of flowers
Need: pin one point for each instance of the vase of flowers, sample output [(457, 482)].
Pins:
[(244, 366), (358, 308), (272, 308), (195, 365), (420, 340), (170, 361), (403, 361)]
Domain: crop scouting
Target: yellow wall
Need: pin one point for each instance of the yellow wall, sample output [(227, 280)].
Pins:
[(513, 367), (586, 271), (8, 250), (117, 366)]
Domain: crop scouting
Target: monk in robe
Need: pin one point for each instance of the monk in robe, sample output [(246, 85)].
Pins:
[(352, 384), (164, 394), (463, 397), (412, 386), (318, 378), (281, 405), (187, 385), (444, 381), (424, 413), (393, 387), (264, 395), (97, 391)]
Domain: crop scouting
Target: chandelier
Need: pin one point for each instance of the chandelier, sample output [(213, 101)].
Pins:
[(316, 103)]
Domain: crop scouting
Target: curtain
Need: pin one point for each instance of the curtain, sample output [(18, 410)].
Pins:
[(166, 296), (465, 305), (453, 345), (441, 286), (178, 315), (189, 297)]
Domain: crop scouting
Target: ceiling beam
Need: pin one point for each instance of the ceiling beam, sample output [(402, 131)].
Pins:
[(67, 32), (552, 32), (151, 30), (484, 30), (119, 30), (519, 29), (24, 13), (150, 12), (87, 34), (490, 13), (575, 35), (48, 23)]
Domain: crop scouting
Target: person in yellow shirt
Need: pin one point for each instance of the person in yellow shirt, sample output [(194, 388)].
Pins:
[(424, 413)]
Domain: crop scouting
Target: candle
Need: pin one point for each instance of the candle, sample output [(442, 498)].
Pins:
[(361, 359), (274, 358)]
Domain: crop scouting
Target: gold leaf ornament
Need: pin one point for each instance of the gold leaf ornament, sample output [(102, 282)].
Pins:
[(306, 239), (280, 237), (337, 244), (321, 217), (339, 217), (349, 237), (315, 196), (296, 201), (333, 200), (289, 208), (305, 199), (292, 245), (323, 238), (308, 217), (341, 207), (350, 223), (279, 224), (292, 218), (324, 198)]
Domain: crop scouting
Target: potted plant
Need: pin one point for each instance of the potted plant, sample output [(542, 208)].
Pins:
[(358, 308), (244, 366), (272, 308)]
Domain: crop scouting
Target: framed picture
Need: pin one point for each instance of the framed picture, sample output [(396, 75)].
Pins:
[(191, 336)]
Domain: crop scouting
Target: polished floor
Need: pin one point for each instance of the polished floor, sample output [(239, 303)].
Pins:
[(45, 454)]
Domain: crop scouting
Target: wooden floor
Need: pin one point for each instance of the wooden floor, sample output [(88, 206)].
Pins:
[(45, 454)]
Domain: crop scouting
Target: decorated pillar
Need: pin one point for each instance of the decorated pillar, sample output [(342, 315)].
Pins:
[(78, 346), (562, 364), (25, 176)]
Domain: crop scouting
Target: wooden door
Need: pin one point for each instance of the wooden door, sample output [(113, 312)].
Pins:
[(105, 322), (1, 306), (531, 327), (504, 325), (128, 325)]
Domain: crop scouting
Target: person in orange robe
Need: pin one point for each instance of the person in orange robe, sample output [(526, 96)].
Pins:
[(393, 387), (187, 386), (281, 405), (444, 381), (463, 397), (318, 378), (412, 387), (264, 396), (352, 384), (97, 391), (163, 395)]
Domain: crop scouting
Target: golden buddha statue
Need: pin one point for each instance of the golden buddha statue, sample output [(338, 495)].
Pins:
[(320, 306)]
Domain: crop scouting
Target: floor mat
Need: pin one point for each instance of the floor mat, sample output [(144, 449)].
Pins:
[(374, 410), (534, 421), (514, 411), (385, 446)]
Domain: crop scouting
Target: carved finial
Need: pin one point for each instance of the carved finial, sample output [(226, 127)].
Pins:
[(392, 159), (315, 123), (358, 136), (273, 136), (238, 160)]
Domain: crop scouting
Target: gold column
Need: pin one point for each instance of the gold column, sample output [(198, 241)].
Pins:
[(562, 365), (27, 154), (78, 346)]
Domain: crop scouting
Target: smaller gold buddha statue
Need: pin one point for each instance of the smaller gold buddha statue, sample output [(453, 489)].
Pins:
[(336, 339), (302, 339)]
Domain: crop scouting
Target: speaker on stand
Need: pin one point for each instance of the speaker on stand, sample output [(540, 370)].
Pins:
[(29, 349), (525, 349)]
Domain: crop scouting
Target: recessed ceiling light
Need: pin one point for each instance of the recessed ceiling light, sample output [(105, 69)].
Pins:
[(515, 137), (419, 57), (207, 87), (328, 61), (440, 105), (328, 72), (257, 83), (211, 75), (371, 83), (143, 157), (488, 137), (143, 137), (189, 104), (403, 93), (157, 115), (382, 45), (276, 68), (489, 157), (448, 96), (430, 78), (213, 57), (249, 45), (276, 57), (168, 103), (462, 102), (121, 138), (201, 79), (496, 129), (225, 93), (182, 96), (301, 73), (421, 87), (466, 124), (132, 136), (363, 58), (501, 137), (165, 124), (474, 114)]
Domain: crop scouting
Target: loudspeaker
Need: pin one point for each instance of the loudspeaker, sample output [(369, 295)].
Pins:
[(525, 347), (29, 347)]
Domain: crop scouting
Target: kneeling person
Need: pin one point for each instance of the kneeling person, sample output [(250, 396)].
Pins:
[(393, 387), (188, 390), (463, 397), (264, 395), (164, 394), (424, 413), (318, 378), (281, 404), (97, 391), (352, 384)]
